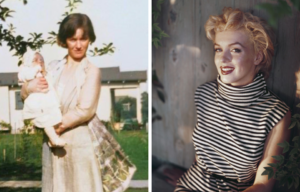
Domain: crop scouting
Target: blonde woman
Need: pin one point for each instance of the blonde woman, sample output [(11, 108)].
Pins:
[(239, 121)]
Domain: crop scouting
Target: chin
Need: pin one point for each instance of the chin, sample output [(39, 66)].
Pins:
[(227, 79), (78, 57)]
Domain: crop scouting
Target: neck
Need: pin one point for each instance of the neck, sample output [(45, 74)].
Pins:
[(73, 62), (245, 81)]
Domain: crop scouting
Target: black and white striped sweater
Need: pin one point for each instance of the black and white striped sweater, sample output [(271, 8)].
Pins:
[(232, 126)]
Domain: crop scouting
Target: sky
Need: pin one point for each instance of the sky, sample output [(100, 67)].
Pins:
[(122, 22)]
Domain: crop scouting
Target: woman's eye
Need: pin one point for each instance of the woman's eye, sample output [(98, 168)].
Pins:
[(218, 50), (236, 50)]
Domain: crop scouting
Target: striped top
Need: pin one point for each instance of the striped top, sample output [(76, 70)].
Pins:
[(232, 126)]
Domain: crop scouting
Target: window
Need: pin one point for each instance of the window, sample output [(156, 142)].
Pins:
[(126, 106), (19, 102)]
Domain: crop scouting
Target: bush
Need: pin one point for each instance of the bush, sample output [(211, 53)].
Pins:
[(131, 125), (4, 125)]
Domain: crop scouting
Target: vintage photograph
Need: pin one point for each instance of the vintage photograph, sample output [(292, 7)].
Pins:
[(225, 95), (74, 96)]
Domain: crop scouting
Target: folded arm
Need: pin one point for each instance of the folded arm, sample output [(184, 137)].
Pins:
[(87, 102)]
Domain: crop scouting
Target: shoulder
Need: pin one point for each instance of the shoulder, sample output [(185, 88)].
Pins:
[(278, 110), (93, 70), (275, 102)]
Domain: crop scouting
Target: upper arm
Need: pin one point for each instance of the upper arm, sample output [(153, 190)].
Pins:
[(87, 101), (278, 134), (90, 91)]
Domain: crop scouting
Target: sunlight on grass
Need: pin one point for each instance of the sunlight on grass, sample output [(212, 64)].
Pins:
[(135, 145), (23, 162)]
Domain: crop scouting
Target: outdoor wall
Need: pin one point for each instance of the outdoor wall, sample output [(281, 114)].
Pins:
[(186, 60), (10, 114), (104, 104), (4, 104), (126, 92), (16, 116)]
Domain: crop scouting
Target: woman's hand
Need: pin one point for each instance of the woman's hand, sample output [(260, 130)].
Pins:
[(37, 85), (59, 129)]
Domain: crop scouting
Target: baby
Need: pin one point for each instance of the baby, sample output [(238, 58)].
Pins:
[(43, 108)]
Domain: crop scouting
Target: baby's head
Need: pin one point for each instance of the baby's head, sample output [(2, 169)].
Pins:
[(32, 59)]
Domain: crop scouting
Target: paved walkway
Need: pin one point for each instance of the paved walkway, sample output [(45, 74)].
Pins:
[(36, 184)]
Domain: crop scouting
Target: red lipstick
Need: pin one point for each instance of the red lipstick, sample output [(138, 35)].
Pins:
[(225, 70)]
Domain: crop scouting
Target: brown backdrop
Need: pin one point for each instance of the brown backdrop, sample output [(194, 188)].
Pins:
[(185, 61)]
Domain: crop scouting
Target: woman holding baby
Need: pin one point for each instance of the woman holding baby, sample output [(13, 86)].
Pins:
[(73, 167)]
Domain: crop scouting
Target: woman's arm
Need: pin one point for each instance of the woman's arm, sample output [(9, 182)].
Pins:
[(37, 85), (87, 102), (278, 134)]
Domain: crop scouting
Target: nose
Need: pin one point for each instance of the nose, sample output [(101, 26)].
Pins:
[(78, 45), (225, 56)]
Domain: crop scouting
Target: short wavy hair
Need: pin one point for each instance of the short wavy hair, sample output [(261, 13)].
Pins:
[(70, 24), (259, 31)]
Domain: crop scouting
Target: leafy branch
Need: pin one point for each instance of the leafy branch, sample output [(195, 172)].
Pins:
[(19, 45), (158, 86), (105, 50), (72, 5), (157, 35), (287, 168), (157, 32), (278, 10)]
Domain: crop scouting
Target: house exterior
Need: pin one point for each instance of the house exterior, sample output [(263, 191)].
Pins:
[(114, 83)]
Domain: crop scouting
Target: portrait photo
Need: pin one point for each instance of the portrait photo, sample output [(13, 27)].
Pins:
[(74, 96)]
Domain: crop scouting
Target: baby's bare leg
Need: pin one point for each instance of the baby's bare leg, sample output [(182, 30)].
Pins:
[(55, 141)]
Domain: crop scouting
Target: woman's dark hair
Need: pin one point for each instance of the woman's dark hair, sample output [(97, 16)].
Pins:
[(69, 26)]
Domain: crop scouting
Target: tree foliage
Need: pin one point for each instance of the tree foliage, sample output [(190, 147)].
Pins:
[(3, 124), (157, 35), (157, 32), (287, 168), (19, 44), (120, 113), (278, 9)]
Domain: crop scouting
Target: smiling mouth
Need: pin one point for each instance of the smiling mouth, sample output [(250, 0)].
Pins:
[(226, 70)]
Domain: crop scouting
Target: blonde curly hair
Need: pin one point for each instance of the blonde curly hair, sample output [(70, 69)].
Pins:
[(258, 30)]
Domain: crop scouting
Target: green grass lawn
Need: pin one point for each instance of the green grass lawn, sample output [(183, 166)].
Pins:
[(22, 160), (135, 145)]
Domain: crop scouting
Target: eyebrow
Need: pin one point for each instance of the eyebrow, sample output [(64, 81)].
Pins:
[(232, 44)]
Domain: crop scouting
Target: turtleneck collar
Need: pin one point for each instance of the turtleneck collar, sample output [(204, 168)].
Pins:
[(244, 95)]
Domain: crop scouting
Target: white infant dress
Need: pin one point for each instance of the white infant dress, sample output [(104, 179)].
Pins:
[(43, 108)]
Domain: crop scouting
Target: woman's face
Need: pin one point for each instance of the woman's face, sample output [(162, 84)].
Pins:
[(77, 45), (235, 57)]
